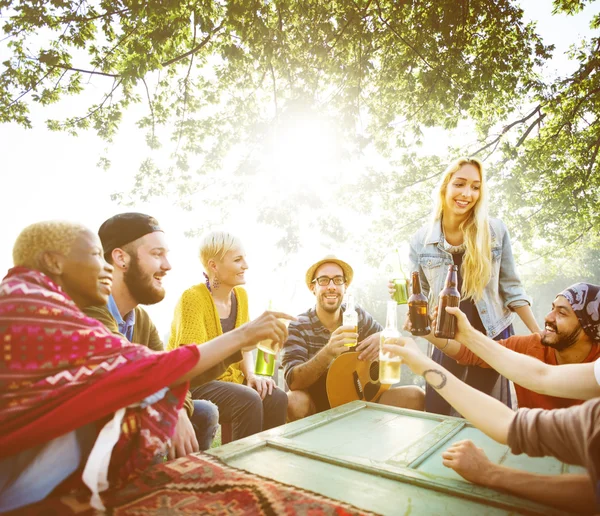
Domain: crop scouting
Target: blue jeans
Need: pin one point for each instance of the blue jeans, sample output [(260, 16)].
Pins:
[(205, 421), (242, 407)]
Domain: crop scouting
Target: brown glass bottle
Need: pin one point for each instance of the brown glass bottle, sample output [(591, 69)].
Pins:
[(418, 309), (445, 326)]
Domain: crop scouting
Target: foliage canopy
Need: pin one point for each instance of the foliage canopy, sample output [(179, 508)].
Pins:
[(220, 77)]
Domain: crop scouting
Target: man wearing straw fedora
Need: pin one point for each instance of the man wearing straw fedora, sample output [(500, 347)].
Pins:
[(318, 337)]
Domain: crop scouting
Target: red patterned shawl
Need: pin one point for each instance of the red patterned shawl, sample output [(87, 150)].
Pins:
[(60, 370)]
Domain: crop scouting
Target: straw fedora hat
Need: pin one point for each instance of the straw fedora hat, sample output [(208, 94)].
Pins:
[(330, 258)]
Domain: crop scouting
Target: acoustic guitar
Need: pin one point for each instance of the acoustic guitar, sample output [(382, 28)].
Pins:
[(350, 379)]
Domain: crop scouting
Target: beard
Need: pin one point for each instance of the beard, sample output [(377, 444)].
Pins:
[(563, 341), (329, 308), (140, 284)]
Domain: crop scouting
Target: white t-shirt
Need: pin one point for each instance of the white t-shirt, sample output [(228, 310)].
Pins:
[(597, 370)]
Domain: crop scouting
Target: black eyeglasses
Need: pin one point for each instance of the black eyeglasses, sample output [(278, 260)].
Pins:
[(324, 281)]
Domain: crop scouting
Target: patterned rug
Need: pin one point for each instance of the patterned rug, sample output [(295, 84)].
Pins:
[(198, 484)]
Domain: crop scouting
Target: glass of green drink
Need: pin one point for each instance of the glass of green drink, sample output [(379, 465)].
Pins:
[(265, 363), (401, 293), (266, 355)]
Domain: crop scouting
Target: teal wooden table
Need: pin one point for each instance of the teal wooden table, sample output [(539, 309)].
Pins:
[(385, 460)]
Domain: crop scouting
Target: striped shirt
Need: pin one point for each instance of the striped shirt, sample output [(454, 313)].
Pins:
[(307, 336)]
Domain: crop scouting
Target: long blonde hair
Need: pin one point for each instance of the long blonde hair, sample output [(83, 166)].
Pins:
[(476, 269)]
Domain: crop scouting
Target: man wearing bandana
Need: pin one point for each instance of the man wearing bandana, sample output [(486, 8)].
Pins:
[(571, 340), (571, 335)]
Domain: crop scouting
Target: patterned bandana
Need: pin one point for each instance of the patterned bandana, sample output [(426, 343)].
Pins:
[(584, 299)]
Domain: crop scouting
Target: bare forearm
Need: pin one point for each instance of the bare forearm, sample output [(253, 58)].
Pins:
[(518, 367), (573, 493), (216, 350), (304, 375), (526, 315), (486, 413), (576, 381), (247, 364)]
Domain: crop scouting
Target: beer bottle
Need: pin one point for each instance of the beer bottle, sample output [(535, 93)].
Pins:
[(389, 366), (350, 317), (445, 327), (418, 309)]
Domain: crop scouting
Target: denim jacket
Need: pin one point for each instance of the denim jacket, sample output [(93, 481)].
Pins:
[(502, 294)]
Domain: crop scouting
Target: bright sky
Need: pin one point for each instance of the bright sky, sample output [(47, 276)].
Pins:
[(48, 175)]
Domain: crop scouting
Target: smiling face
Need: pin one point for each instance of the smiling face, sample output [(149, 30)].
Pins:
[(84, 275), (562, 328), (231, 269), (329, 297), (462, 191), (148, 265)]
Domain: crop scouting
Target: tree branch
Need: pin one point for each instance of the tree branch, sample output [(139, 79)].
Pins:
[(592, 161), (101, 105), (562, 247), (508, 128), (400, 37), (496, 141), (151, 106), (28, 89), (529, 129), (72, 18), (422, 180), (90, 72), (201, 45), (186, 83)]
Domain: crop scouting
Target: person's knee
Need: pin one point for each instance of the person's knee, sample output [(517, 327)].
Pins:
[(300, 405), (278, 400), (249, 399), (205, 420), (415, 398), (275, 409), (206, 412), (407, 396)]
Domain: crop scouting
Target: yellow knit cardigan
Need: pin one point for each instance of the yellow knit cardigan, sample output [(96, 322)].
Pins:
[(196, 321)]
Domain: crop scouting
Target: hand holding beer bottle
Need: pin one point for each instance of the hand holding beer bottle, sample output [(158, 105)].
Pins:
[(418, 309), (341, 338), (350, 318), (445, 326), (463, 328)]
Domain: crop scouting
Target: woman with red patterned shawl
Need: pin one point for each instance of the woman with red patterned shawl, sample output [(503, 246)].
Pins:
[(78, 403)]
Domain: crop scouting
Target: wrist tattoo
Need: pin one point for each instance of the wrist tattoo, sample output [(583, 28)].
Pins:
[(436, 379)]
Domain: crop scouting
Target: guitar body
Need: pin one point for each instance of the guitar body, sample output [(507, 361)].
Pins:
[(350, 379)]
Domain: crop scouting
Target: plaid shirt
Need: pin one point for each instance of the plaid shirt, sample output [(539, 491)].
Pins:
[(308, 336)]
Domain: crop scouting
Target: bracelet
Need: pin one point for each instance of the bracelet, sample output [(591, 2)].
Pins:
[(447, 342)]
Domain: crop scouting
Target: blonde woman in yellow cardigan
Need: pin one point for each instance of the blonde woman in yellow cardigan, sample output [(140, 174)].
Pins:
[(250, 403)]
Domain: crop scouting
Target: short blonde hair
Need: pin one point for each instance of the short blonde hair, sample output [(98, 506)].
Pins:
[(215, 245), (51, 235), (476, 269)]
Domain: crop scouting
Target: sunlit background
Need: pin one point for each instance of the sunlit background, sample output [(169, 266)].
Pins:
[(49, 175)]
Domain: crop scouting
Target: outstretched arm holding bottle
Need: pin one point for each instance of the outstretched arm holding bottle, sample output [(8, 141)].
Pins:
[(567, 380), (488, 414), (535, 432)]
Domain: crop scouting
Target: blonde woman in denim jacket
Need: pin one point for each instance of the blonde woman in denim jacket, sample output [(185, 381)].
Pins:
[(461, 233)]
